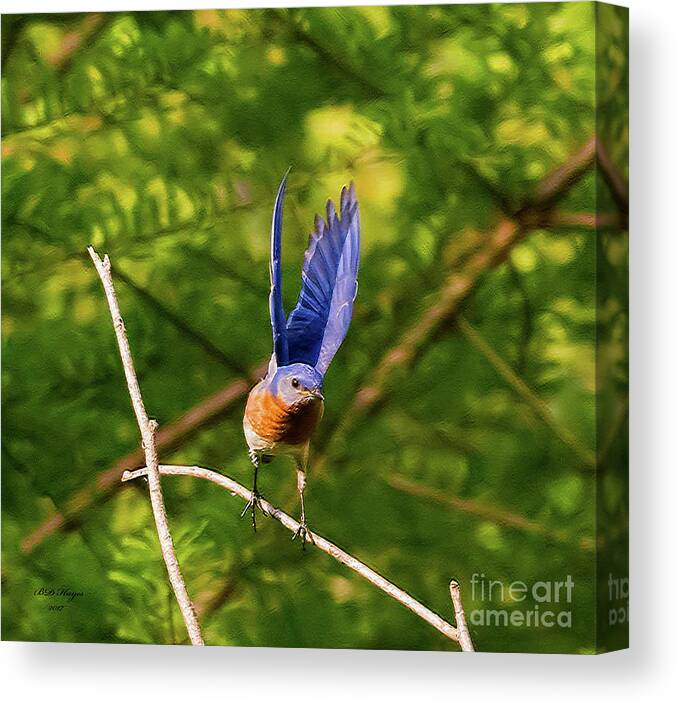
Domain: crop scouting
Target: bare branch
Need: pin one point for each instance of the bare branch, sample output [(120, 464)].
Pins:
[(457, 287), (462, 629), (235, 488), (148, 428)]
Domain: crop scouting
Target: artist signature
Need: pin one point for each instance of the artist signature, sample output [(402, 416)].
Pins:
[(56, 596)]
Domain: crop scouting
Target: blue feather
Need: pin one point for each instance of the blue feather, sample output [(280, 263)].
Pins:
[(318, 324), (278, 322)]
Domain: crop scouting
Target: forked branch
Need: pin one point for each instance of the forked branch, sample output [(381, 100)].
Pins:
[(148, 428), (153, 471), (459, 634)]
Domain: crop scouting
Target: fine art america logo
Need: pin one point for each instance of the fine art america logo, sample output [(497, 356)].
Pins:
[(542, 604)]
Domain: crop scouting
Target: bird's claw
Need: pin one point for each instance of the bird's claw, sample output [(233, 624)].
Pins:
[(252, 505), (303, 533)]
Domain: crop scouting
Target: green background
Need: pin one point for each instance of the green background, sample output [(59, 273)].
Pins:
[(160, 138)]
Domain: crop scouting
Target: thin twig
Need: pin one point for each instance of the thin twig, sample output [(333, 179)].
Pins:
[(462, 629), (525, 392), (486, 511), (185, 327), (234, 488), (148, 428)]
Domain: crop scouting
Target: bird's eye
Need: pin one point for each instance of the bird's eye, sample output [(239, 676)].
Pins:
[(295, 382)]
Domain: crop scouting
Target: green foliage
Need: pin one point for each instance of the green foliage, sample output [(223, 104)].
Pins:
[(146, 610), (161, 140)]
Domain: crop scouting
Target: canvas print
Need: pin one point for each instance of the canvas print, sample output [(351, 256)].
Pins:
[(315, 327)]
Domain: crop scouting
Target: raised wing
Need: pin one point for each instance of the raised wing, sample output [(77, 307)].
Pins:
[(318, 324), (278, 322)]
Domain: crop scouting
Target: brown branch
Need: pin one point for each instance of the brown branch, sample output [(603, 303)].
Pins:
[(458, 285), (148, 428), (91, 25), (553, 186), (584, 221), (208, 601), (168, 439), (614, 179), (460, 617), (488, 512), (540, 408), (235, 488)]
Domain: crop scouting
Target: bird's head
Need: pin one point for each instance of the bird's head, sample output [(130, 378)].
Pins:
[(297, 383)]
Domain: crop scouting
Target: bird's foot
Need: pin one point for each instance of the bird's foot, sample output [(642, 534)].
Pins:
[(304, 534), (252, 505)]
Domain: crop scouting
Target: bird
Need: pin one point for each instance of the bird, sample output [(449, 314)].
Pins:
[(284, 409)]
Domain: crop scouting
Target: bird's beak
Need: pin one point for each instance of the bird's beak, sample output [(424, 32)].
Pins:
[(315, 393)]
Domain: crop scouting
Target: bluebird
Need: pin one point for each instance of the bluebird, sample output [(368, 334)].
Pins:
[(284, 409)]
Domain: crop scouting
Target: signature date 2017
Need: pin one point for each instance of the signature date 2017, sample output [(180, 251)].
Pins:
[(57, 599)]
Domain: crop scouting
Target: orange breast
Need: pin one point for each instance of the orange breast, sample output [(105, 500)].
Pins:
[(276, 422)]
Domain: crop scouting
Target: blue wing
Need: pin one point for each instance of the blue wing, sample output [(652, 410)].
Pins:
[(318, 324), (280, 348)]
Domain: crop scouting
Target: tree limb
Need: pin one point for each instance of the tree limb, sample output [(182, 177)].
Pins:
[(148, 428), (555, 184), (235, 488)]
